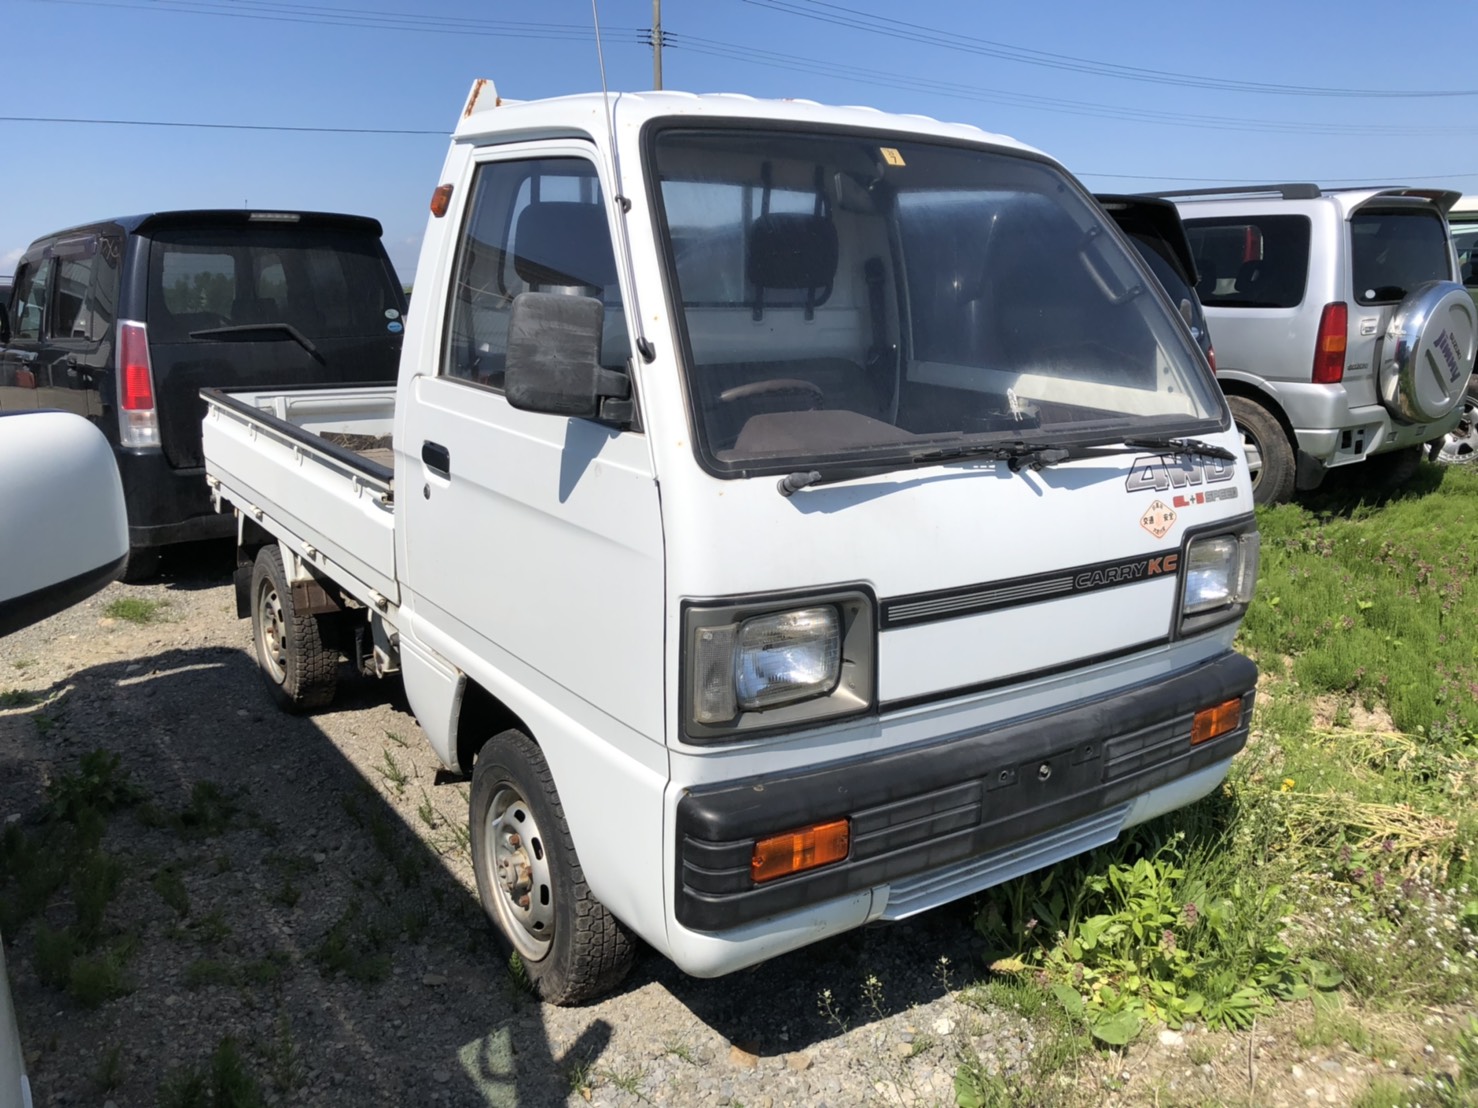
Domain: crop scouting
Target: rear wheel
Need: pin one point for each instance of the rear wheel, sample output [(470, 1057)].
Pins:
[(301, 672), (1269, 453), (530, 881), (1389, 471), (142, 565)]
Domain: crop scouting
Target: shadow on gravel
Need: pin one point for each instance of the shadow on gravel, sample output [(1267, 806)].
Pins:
[(310, 924), (817, 993), (391, 989)]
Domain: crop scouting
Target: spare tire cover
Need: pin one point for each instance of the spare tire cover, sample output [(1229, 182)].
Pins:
[(1428, 352)]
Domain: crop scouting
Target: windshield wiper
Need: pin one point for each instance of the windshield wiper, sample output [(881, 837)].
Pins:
[(1018, 454), (1181, 446), (245, 330)]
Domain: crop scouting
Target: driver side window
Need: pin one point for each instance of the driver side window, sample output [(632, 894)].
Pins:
[(538, 224)]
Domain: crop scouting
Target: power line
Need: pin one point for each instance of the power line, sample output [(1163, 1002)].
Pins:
[(443, 132), (365, 19), (842, 16), (1025, 100)]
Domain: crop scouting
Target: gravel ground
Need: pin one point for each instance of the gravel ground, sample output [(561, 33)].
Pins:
[(340, 827), (301, 886)]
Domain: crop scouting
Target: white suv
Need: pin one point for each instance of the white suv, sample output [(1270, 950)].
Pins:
[(1341, 329)]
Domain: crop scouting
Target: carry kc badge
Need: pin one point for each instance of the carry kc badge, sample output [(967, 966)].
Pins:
[(1158, 518)]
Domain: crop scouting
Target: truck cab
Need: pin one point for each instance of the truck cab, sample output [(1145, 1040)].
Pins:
[(796, 517)]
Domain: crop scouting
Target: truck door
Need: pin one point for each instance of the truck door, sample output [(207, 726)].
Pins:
[(533, 542)]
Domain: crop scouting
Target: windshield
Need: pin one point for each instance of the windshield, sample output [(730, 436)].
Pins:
[(848, 297)]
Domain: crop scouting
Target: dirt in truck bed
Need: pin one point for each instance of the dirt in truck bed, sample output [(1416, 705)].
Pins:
[(377, 448)]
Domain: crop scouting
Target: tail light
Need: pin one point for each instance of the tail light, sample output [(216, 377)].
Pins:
[(1329, 348), (1211, 357), (138, 420)]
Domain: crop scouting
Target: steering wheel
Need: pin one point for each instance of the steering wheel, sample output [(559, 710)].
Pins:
[(777, 386)]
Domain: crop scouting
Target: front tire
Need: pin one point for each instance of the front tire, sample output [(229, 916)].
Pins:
[(1269, 453), (301, 672), (1460, 445), (530, 881)]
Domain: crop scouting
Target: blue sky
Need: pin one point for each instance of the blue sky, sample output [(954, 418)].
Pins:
[(362, 64)]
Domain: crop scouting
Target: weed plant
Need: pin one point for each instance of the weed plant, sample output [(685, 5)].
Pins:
[(1339, 855), (136, 609)]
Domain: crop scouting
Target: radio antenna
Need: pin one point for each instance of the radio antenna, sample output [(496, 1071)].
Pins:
[(623, 205)]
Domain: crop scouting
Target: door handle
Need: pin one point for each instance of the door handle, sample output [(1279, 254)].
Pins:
[(437, 458)]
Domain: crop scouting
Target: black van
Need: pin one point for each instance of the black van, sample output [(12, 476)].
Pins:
[(126, 320)]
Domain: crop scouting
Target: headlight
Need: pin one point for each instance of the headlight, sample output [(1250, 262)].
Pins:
[(1220, 578), (787, 657), (751, 667)]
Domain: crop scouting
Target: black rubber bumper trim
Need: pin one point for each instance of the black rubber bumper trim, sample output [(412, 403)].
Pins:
[(22, 611), (917, 809)]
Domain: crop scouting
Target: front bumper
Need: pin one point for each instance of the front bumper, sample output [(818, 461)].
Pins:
[(931, 811)]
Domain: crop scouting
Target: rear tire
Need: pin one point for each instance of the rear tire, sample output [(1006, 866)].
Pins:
[(142, 565), (301, 672), (1389, 471), (530, 881), (1269, 453)]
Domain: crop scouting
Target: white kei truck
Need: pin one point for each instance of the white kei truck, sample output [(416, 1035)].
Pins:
[(791, 517)]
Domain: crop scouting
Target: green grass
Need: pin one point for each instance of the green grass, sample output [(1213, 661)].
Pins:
[(1337, 861), (17, 698), (136, 609), (224, 1081)]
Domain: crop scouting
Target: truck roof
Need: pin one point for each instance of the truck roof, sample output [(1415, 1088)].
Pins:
[(584, 113)]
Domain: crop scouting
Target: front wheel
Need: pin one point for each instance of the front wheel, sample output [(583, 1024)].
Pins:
[(301, 671), (1269, 453), (1460, 445), (530, 881)]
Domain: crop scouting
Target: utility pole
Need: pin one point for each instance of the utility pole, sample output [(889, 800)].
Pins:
[(656, 43)]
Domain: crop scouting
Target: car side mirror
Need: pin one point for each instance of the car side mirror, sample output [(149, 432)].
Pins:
[(51, 558), (553, 361)]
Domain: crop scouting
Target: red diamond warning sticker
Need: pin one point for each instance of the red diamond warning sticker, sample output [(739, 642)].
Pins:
[(1158, 518)]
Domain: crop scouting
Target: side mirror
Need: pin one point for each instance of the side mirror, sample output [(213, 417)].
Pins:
[(553, 363), (66, 529)]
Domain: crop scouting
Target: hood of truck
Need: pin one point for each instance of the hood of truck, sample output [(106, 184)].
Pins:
[(982, 576)]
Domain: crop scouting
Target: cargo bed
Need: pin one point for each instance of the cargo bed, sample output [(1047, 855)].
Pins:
[(315, 466)]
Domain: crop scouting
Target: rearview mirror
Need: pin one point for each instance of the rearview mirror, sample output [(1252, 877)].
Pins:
[(66, 530), (553, 363)]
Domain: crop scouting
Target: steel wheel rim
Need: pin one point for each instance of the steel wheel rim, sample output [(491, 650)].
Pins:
[(1461, 443), (1252, 450), (516, 870), (272, 632)]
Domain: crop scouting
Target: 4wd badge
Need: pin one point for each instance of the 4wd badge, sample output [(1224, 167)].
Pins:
[(1158, 518)]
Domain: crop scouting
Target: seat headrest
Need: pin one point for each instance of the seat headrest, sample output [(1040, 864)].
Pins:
[(1206, 277), (561, 242), (789, 250), (1249, 274)]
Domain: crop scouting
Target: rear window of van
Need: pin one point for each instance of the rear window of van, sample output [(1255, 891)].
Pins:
[(328, 283)]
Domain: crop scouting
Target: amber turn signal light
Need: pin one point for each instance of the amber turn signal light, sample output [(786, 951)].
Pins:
[(1211, 723), (440, 200), (799, 850)]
